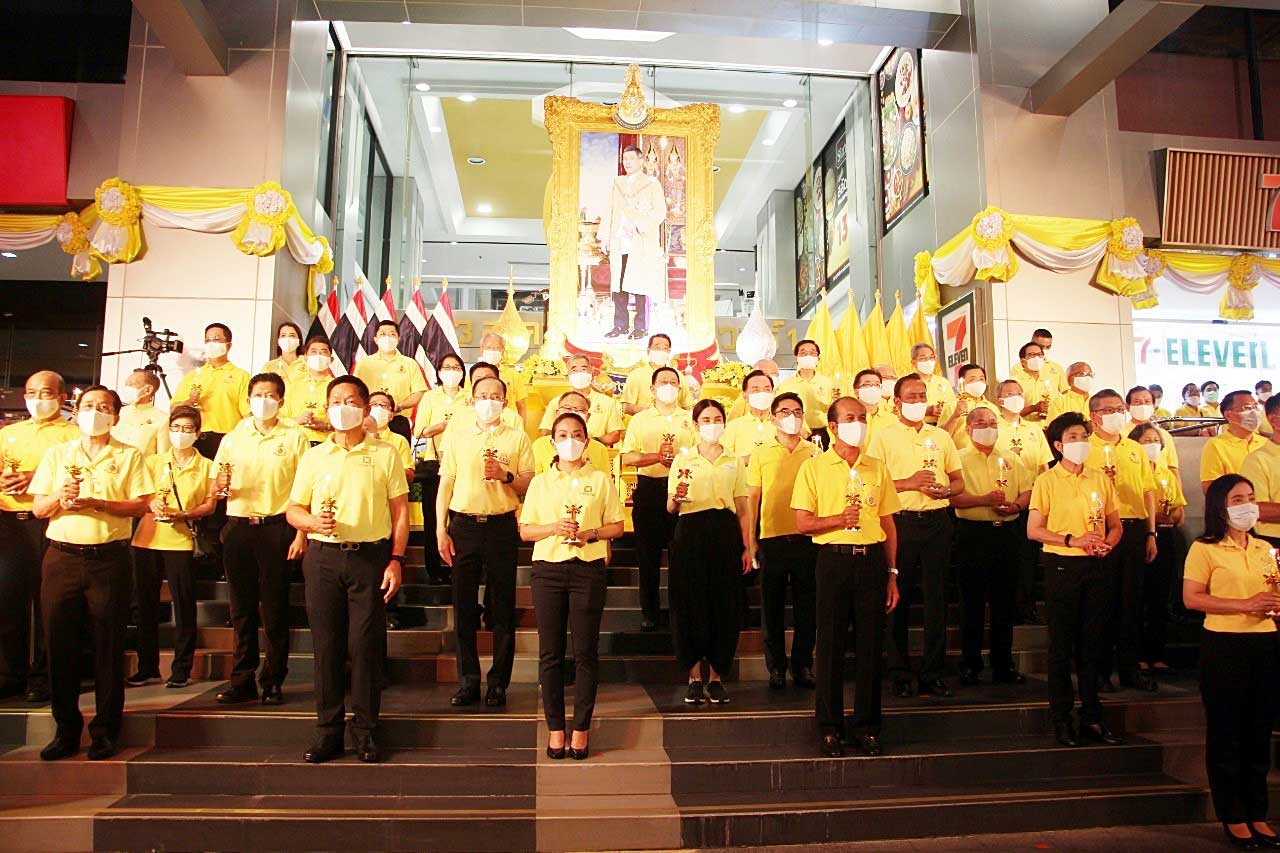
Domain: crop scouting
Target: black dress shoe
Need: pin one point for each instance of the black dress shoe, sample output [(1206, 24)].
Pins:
[(777, 680), (1011, 676), (615, 333), (272, 695), (903, 688), (555, 754), (832, 747), (870, 745), (495, 696), (580, 754), (970, 677), (1250, 843), (102, 747), (60, 748), (322, 751), (935, 687), (236, 695), (368, 750), (803, 677), (638, 334), (647, 625), (1064, 733), (1264, 841), (36, 695), (1100, 733), (466, 695)]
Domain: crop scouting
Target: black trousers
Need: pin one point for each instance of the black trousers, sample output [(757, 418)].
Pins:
[(620, 299), (150, 567), (1156, 590), (430, 481), (788, 560), (654, 527), (1126, 568), (23, 661), (82, 594), (1238, 675), (988, 572), (1077, 593), (705, 585), (255, 558), (924, 555), (345, 611), (1028, 563), (850, 586), (485, 551), (569, 594)]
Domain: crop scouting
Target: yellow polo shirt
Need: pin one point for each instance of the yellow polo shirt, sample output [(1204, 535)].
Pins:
[(191, 485), (981, 472), (363, 481), (1161, 412), (550, 495), (118, 474), (398, 375), (815, 392), (262, 466), (1024, 439), (224, 395), (745, 435), (1225, 454), (713, 484), (604, 415), (463, 462), (646, 431), (904, 451), (308, 393), (638, 389), (1262, 468), (27, 442), (397, 441), (959, 434), (1168, 452), (1229, 571), (544, 450), (823, 488), (145, 427), (773, 470), (1066, 501), (517, 387), (1168, 487), (939, 390), (883, 416), (1211, 410), (1133, 477), (438, 406), (289, 371), (1072, 401)]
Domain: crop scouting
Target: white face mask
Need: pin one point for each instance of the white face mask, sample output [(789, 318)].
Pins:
[(94, 423), (659, 357), (710, 433), (851, 433), (1035, 364), (182, 440), (41, 409), (381, 415), (790, 424), (129, 395), (1264, 396), (1242, 516), (666, 394), (488, 411), (215, 349), (986, 436), (975, 389), (492, 356), (1211, 396), (263, 408), (1075, 451), (807, 362), (1250, 419), (387, 344), (1014, 404), (289, 344), (926, 366), (886, 390), (570, 449), (914, 412), (759, 400), (580, 380), (1141, 413), (1113, 422), (1152, 451), (869, 395), (1194, 402), (344, 418), (318, 363), (451, 378), (1082, 383)]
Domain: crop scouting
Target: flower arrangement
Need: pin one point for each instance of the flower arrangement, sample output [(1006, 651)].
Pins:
[(727, 372)]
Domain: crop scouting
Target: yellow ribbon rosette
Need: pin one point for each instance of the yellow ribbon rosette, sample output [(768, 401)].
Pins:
[(991, 232), (261, 230), (118, 239)]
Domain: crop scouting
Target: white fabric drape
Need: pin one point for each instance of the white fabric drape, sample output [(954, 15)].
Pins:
[(304, 251), (217, 221), (1058, 260), (15, 240)]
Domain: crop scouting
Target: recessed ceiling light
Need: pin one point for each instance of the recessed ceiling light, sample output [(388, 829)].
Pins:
[(737, 109), (422, 87), (82, 345), (435, 129), (484, 208), (715, 168), (742, 269), (476, 161), (467, 99), (824, 42), (767, 142), (789, 103), (405, 21), (453, 242), (8, 254), (608, 34)]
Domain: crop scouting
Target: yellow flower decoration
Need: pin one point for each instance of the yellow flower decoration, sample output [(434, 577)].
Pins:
[(261, 231), (927, 284), (1245, 273), (72, 234), (1126, 239), (324, 266), (992, 229), (118, 203)]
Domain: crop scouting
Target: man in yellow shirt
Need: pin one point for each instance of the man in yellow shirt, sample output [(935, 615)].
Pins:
[(1039, 387), (786, 555), (755, 429), (544, 449), (604, 418), (973, 389), (876, 396), (142, 424), (637, 394), (1262, 468), (941, 394), (389, 370), (1142, 410), (90, 489), (997, 489), (305, 397), (769, 368), (254, 471), (1157, 395), (218, 388), (1226, 451), (815, 389), (926, 472), (484, 472), (351, 500), (1123, 461), (845, 501), (1076, 397), (24, 666), (1043, 338), (493, 350)]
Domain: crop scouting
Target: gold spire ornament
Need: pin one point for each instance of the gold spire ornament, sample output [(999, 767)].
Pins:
[(632, 112), (515, 335)]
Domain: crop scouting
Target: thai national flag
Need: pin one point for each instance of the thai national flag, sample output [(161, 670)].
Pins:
[(376, 309), (349, 332), (439, 337), (413, 322), (325, 325)]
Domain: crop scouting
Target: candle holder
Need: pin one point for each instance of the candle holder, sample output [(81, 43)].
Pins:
[(1097, 518), (76, 473), (930, 461), (1108, 463), (853, 496), (13, 465), (164, 516), (224, 468), (1002, 476), (685, 475), (490, 453), (573, 511), (329, 505), (196, 389), (1272, 579)]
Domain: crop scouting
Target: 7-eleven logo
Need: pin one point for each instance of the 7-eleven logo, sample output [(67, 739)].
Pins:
[(1272, 182)]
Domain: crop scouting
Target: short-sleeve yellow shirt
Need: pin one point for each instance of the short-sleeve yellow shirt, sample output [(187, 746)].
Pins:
[(745, 435), (188, 486), (145, 427), (1068, 502), (982, 473), (773, 470), (1229, 571), (550, 495), (647, 430), (824, 486), (713, 484), (361, 481), (1026, 440), (308, 394), (25, 444), (604, 416), (1225, 454), (1262, 468), (463, 463), (815, 392), (224, 395), (262, 466), (1133, 474), (117, 474), (904, 451), (399, 375), (1071, 401)]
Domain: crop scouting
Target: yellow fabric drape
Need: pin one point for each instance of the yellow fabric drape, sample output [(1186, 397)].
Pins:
[(1071, 235), (17, 223), (896, 334), (192, 199), (873, 334), (822, 333)]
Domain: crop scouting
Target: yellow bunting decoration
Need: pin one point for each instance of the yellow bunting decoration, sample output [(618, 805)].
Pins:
[(261, 230), (119, 238)]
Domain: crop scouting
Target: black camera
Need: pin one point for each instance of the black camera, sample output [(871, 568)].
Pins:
[(155, 344)]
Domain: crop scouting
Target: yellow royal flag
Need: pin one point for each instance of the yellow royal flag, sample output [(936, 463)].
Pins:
[(873, 335), (918, 332), (899, 343), (852, 347), (822, 333)]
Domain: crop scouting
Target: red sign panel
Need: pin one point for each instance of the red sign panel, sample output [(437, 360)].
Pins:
[(35, 150)]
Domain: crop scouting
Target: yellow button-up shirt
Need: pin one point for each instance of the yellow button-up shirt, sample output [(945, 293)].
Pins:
[(1046, 386), (1026, 440), (117, 474), (1262, 468), (939, 390), (904, 451), (1229, 571), (553, 492), (544, 450), (262, 466), (463, 462), (824, 486), (604, 415), (398, 375), (145, 427), (308, 393), (362, 481), (638, 389), (289, 371), (224, 395), (958, 433), (1073, 503), (1133, 474), (713, 483), (773, 470), (25, 443), (815, 392), (1071, 401), (188, 486), (647, 430), (1225, 454), (744, 436), (982, 473)]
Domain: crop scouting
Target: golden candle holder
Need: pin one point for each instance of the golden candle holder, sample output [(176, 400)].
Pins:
[(329, 505), (573, 511), (1108, 463), (224, 468), (1002, 477), (685, 475), (1272, 579), (164, 516), (196, 388), (13, 464), (853, 496), (1097, 518), (490, 453), (930, 461), (76, 473)]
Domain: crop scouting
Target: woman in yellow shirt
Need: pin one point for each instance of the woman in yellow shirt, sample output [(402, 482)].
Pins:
[(570, 511), (708, 489), (163, 546), (288, 364), (435, 410), (1159, 575), (1225, 578)]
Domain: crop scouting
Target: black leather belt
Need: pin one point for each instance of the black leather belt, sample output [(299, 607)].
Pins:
[(1132, 522), (920, 514), (102, 550), (258, 520), (977, 523), (852, 550), (350, 546), (19, 515), (482, 519)]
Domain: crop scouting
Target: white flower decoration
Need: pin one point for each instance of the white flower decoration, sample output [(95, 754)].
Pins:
[(1132, 237), (64, 232), (1151, 266), (990, 226), (112, 200), (269, 203)]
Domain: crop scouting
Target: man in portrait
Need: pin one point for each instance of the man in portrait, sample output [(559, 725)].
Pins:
[(630, 234)]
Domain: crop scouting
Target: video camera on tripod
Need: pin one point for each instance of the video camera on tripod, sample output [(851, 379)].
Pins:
[(155, 344)]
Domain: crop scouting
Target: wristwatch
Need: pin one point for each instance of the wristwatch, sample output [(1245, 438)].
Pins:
[(1066, 541), (509, 479), (593, 535), (1151, 533), (397, 558)]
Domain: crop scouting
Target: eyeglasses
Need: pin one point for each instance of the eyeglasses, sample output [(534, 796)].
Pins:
[(185, 429), (1111, 410)]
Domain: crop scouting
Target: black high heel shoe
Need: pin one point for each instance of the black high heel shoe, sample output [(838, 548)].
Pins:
[(555, 754), (1264, 841), (579, 754), (1247, 843)]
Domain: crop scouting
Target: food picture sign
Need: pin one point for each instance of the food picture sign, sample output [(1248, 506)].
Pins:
[(901, 134)]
